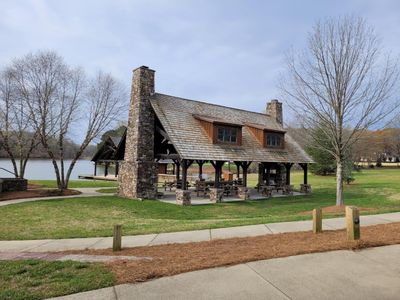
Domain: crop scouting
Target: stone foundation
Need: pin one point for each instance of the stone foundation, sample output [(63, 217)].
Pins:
[(305, 188), (267, 191), (288, 189), (243, 193), (216, 195), (13, 184), (183, 197)]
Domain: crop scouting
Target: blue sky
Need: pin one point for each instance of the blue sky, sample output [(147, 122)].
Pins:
[(225, 52)]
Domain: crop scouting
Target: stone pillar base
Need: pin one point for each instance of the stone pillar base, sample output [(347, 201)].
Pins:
[(267, 191), (183, 197), (305, 188), (288, 189), (243, 193), (216, 195)]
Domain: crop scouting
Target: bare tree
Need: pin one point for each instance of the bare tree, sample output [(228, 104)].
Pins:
[(59, 98), (17, 135), (341, 84)]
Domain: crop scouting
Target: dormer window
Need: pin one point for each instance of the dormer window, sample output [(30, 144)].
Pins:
[(267, 137), (221, 131), (274, 140), (227, 134)]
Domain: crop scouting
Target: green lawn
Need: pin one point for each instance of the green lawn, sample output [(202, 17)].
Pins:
[(34, 279), (107, 190), (76, 183), (378, 190)]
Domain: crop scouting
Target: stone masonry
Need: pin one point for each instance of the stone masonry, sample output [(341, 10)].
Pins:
[(243, 193), (305, 188), (274, 109), (183, 197), (138, 172), (216, 195), (13, 184)]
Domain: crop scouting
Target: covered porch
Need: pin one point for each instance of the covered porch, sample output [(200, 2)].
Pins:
[(273, 180), (171, 197)]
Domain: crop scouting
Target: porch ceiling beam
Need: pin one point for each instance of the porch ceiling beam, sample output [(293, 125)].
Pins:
[(164, 135)]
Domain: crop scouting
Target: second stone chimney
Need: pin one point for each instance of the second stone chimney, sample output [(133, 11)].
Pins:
[(274, 109)]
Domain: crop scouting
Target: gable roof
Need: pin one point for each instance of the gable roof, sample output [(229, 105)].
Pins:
[(178, 117), (105, 151)]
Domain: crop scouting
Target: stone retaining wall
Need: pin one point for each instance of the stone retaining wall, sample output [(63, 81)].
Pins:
[(13, 184)]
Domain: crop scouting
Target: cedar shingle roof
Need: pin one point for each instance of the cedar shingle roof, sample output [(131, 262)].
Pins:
[(178, 117)]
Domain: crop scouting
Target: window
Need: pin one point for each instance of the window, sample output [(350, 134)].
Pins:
[(274, 140), (227, 135)]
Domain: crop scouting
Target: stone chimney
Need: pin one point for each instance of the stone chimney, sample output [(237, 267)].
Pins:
[(274, 109), (138, 173)]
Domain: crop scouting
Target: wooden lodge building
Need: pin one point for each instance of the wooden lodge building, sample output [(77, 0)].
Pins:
[(192, 132)]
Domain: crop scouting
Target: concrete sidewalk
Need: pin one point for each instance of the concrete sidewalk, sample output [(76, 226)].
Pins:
[(368, 274), (186, 236), (85, 192)]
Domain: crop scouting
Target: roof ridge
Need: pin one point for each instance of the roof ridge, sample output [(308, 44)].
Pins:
[(224, 106)]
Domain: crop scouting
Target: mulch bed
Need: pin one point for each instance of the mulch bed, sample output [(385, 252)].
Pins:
[(36, 192), (179, 258)]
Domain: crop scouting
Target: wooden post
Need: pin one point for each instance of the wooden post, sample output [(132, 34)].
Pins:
[(178, 165), (353, 223), (305, 181), (117, 238), (238, 164), (317, 220), (260, 175), (218, 170), (200, 163), (106, 169), (288, 166), (95, 168), (305, 172), (116, 168), (184, 174)]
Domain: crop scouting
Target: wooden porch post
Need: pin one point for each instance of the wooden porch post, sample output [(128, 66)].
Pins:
[(200, 163), (218, 167), (177, 170), (95, 168), (185, 166), (288, 166), (245, 166), (106, 169), (305, 171), (268, 167), (184, 174), (238, 164), (260, 174), (116, 168)]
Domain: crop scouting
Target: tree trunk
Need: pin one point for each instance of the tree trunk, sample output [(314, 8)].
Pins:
[(339, 183)]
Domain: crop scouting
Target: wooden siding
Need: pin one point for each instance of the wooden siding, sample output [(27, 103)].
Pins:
[(208, 129), (258, 134)]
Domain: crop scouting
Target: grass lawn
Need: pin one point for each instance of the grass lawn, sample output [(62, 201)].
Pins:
[(76, 183), (107, 190), (34, 279), (377, 190)]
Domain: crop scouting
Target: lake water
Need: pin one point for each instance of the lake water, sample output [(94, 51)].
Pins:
[(42, 169)]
